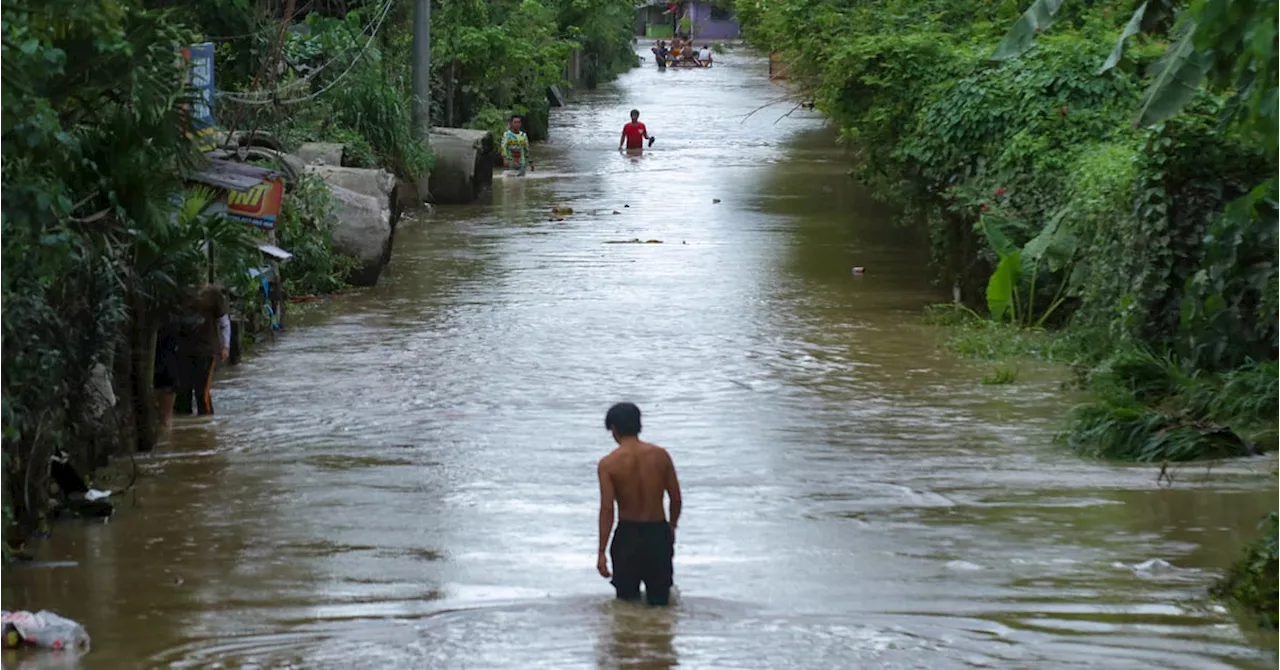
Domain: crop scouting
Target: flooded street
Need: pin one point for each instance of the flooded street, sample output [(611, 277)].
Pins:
[(406, 478)]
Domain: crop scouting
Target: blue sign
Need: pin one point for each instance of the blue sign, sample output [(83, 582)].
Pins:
[(202, 80)]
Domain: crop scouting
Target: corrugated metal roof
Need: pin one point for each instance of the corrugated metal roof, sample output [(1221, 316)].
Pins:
[(232, 175)]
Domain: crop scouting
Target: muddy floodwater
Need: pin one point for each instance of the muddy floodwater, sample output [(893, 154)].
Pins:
[(406, 478)]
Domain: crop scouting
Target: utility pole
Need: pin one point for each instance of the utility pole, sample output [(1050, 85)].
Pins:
[(422, 69)]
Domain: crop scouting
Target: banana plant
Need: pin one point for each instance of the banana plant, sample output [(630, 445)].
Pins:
[(1133, 27), (1020, 38), (1179, 73)]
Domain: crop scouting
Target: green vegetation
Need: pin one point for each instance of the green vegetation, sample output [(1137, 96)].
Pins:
[(96, 243), (1018, 134), (305, 228), (1097, 178), (100, 238), (1252, 580)]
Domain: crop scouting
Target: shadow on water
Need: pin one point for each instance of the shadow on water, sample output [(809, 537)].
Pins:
[(406, 477)]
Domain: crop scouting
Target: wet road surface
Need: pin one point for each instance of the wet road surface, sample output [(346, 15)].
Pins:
[(406, 477)]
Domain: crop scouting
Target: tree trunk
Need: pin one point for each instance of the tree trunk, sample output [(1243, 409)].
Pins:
[(142, 348), (448, 94)]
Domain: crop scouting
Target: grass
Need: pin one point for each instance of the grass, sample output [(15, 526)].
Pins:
[(1251, 583), (1002, 374), (974, 336), (1146, 407)]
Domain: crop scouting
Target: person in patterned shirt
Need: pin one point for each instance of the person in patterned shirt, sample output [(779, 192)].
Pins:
[(515, 147)]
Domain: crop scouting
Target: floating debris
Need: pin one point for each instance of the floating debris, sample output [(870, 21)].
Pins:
[(715, 201), (560, 210), (1151, 566), (634, 241), (616, 212), (859, 270)]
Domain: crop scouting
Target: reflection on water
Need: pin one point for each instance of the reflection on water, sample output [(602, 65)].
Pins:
[(637, 636), (406, 478)]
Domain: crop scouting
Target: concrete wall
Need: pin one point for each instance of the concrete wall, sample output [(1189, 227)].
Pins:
[(706, 28)]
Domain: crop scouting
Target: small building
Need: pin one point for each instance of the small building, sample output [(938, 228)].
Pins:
[(656, 19)]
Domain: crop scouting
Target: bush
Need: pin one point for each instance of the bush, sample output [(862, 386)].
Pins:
[(305, 228), (1251, 582)]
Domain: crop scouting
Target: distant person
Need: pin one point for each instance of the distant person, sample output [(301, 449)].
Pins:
[(204, 339), (704, 56), (660, 54), (515, 147), (635, 475), (634, 134)]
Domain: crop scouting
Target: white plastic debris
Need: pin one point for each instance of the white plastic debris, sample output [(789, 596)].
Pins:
[(44, 629), (94, 494)]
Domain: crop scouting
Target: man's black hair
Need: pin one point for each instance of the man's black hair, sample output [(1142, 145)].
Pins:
[(623, 419), (514, 117), (635, 113)]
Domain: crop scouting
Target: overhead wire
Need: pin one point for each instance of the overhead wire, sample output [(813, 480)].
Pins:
[(272, 96)]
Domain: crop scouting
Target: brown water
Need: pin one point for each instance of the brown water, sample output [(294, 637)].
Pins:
[(405, 479)]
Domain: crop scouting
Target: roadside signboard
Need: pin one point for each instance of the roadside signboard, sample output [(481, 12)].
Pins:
[(201, 79), (259, 205)]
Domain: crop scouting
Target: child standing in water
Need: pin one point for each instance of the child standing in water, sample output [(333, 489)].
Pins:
[(515, 147)]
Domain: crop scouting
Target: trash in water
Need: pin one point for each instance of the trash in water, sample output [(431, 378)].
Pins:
[(561, 211), (1149, 566), (94, 494), (715, 201), (634, 241), (44, 629), (616, 212), (858, 270)]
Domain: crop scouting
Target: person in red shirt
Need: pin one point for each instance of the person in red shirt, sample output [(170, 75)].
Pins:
[(634, 133)]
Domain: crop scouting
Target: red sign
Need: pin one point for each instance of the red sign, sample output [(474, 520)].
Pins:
[(259, 205)]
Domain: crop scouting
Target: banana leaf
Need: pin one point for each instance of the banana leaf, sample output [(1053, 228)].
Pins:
[(1002, 286), (1039, 16), (1055, 244), (1133, 27), (1180, 73), (993, 227)]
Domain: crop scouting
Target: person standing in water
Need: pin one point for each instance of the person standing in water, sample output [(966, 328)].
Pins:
[(204, 339), (515, 147), (634, 134), (635, 475)]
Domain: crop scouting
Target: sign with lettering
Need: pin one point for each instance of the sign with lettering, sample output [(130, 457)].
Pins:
[(200, 78), (259, 205)]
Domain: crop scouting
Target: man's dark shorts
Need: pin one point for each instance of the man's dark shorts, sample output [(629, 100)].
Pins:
[(165, 377), (642, 552)]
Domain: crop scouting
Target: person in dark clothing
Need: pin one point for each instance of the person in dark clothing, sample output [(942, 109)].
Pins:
[(204, 339), (635, 476), (165, 377)]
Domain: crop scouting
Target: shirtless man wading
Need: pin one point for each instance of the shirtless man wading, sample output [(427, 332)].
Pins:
[(635, 475)]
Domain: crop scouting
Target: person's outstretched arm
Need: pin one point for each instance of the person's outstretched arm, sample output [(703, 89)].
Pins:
[(622, 138)]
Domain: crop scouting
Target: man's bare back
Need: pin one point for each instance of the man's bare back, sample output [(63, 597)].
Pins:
[(635, 476), (640, 473)]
